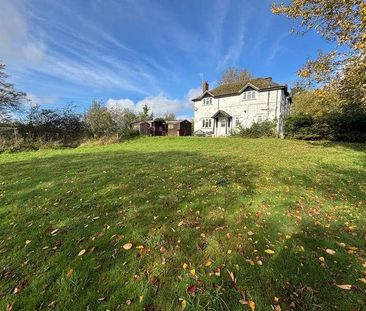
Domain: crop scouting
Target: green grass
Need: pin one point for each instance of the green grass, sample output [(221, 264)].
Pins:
[(185, 200)]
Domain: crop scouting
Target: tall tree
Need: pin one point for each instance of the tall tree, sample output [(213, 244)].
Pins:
[(145, 113), (169, 116), (342, 22), (233, 74), (123, 117), (10, 98), (99, 120)]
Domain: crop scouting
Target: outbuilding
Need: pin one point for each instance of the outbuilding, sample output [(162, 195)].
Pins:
[(179, 128)]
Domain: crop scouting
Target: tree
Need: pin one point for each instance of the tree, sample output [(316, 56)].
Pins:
[(10, 98), (316, 103), (99, 120), (123, 118), (169, 116), (343, 22), (145, 115), (233, 74)]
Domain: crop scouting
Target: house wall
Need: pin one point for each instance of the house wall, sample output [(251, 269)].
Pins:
[(268, 105)]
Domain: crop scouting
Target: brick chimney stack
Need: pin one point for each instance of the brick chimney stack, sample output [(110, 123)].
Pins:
[(204, 86)]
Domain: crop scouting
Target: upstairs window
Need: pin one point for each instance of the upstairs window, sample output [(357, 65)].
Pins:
[(249, 95), (207, 101)]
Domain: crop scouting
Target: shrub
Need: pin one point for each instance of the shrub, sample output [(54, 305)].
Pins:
[(258, 129), (128, 133), (346, 125)]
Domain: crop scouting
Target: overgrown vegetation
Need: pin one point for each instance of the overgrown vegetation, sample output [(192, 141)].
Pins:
[(166, 223), (256, 130), (331, 104)]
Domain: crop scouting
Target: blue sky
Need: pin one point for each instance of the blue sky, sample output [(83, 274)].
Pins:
[(131, 52)]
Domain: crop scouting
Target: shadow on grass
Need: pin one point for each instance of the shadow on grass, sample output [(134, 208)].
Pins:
[(182, 207), (331, 144), (100, 201)]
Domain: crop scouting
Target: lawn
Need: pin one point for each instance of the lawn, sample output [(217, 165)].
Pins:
[(215, 224)]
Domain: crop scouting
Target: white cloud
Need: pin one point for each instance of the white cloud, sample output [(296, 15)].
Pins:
[(120, 104), (41, 100), (17, 46), (159, 104)]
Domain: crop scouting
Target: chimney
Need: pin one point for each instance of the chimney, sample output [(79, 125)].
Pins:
[(204, 86)]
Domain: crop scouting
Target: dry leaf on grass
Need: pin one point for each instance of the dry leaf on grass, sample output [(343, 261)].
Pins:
[(191, 289), (345, 286), (269, 251), (183, 305), (82, 252), (330, 251), (70, 273), (127, 246)]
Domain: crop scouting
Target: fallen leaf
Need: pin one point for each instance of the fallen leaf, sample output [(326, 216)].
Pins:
[(27, 242), (363, 280), (183, 305), (250, 233), (82, 252), (249, 261), (69, 273), (251, 305), (269, 251), (193, 272), (127, 246), (321, 259), (185, 266), (154, 280), (53, 232), (208, 263), (140, 247), (330, 251), (345, 286), (191, 289)]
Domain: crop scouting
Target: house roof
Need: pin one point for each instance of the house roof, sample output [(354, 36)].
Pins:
[(238, 87)]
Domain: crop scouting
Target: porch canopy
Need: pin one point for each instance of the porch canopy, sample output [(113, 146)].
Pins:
[(221, 114)]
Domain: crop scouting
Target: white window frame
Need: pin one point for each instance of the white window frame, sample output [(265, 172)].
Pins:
[(249, 95), (206, 123), (207, 101)]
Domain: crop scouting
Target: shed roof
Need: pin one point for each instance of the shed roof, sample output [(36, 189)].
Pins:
[(177, 121)]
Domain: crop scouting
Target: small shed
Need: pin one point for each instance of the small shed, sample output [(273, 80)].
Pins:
[(143, 127), (179, 128), (158, 127)]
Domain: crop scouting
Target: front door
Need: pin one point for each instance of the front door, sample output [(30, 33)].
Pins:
[(222, 125)]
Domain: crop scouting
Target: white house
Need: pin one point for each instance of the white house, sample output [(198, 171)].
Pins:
[(219, 111)]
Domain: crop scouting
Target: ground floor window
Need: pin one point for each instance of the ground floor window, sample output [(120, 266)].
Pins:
[(223, 122), (206, 123)]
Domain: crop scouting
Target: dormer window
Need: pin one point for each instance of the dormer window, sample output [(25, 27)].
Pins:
[(249, 95), (207, 101)]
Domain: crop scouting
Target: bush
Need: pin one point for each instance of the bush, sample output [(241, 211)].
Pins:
[(346, 125), (128, 133), (258, 129)]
